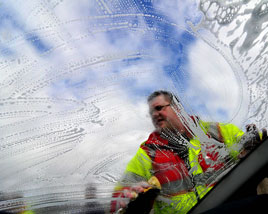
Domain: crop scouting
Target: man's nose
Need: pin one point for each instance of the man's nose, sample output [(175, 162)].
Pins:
[(156, 113)]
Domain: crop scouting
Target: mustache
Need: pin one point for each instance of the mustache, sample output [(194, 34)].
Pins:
[(158, 118)]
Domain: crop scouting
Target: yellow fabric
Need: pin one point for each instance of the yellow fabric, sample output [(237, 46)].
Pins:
[(141, 165), (193, 156), (260, 135), (204, 125), (202, 190), (231, 135), (27, 212), (177, 204)]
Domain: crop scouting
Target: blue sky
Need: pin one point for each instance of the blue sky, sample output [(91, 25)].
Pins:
[(65, 65), (165, 36)]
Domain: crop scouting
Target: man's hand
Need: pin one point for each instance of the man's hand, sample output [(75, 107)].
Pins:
[(251, 139), (137, 198), (126, 194), (261, 136), (133, 192)]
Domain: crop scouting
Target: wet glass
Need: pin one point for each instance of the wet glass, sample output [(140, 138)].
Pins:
[(75, 76)]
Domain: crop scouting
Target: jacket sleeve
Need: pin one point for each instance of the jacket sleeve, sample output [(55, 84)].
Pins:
[(231, 135), (137, 170)]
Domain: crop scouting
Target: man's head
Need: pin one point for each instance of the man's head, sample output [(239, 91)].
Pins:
[(161, 106)]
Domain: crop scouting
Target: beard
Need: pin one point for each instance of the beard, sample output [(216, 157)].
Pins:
[(165, 126)]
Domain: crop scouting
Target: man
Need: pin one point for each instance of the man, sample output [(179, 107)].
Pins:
[(183, 153)]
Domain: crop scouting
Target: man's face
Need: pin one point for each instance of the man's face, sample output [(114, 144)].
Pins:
[(163, 116)]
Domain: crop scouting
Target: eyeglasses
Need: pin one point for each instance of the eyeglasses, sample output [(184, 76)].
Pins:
[(158, 108)]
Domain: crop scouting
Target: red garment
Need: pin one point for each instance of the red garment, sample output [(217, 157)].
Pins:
[(116, 195), (177, 170), (167, 165), (213, 156)]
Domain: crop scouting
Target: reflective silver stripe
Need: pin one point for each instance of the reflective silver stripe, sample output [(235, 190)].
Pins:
[(214, 131), (130, 177), (204, 178), (175, 187)]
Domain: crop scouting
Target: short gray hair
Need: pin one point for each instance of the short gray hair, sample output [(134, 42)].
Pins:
[(169, 95)]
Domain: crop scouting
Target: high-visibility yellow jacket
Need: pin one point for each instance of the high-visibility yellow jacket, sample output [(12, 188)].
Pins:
[(191, 183), (27, 212)]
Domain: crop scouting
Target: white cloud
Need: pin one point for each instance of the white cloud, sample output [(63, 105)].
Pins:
[(103, 74), (212, 82)]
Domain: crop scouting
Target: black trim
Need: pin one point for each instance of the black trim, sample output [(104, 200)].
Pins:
[(230, 185)]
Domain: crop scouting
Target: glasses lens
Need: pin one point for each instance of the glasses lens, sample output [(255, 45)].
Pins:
[(158, 108)]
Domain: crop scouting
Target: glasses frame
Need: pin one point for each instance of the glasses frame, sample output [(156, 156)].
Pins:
[(158, 108)]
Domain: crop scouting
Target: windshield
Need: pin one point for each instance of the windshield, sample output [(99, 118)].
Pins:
[(75, 77)]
